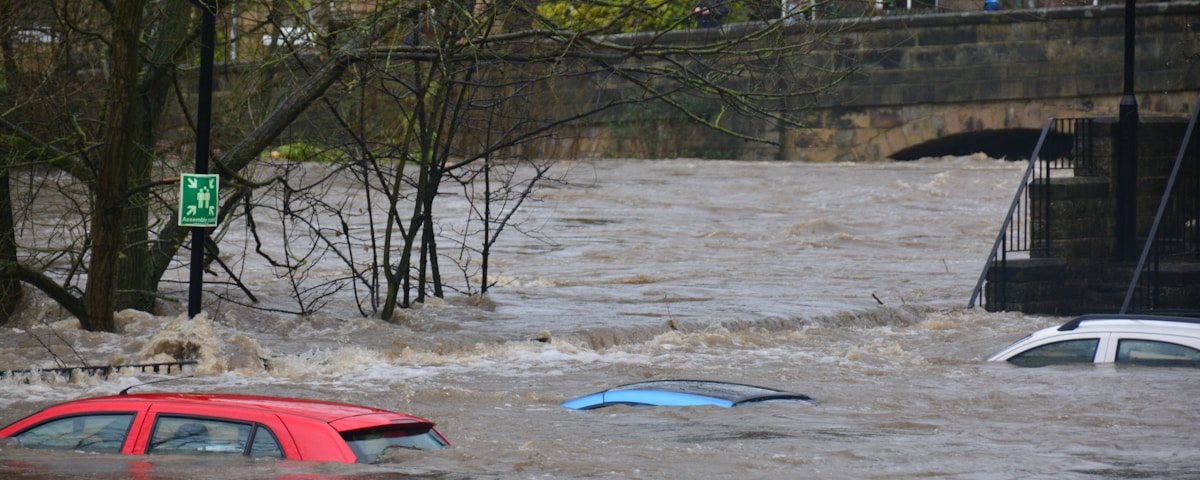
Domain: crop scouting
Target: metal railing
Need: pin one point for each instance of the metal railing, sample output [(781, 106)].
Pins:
[(1065, 144), (1175, 233), (104, 370)]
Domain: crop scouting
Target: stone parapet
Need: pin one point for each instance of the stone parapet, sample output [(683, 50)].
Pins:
[(941, 75)]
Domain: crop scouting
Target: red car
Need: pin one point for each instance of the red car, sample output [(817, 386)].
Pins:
[(224, 424)]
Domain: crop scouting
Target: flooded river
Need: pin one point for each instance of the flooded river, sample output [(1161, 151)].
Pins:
[(846, 282)]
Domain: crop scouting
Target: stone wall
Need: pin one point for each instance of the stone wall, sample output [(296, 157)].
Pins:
[(925, 77)]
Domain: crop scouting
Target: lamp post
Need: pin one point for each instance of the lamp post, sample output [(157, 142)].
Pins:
[(208, 39), (1126, 171)]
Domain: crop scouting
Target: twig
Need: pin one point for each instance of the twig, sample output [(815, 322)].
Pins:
[(53, 355), (69, 346)]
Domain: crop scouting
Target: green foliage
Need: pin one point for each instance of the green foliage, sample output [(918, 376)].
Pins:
[(625, 16), (618, 16), (305, 152)]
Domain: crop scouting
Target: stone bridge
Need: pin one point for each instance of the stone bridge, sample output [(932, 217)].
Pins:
[(957, 84)]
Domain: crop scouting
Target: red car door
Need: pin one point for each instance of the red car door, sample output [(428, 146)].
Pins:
[(159, 413)]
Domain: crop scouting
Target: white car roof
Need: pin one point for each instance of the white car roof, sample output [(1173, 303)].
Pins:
[(1134, 323), (1153, 325)]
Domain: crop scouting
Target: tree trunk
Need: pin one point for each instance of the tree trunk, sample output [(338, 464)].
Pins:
[(429, 244), (112, 177), (137, 279), (10, 288)]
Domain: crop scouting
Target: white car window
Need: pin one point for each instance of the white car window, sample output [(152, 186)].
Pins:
[(1150, 352), (1069, 351)]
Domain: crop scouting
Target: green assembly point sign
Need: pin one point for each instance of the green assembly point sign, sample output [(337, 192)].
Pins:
[(198, 200)]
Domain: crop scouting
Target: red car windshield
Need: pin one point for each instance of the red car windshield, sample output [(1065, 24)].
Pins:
[(370, 445)]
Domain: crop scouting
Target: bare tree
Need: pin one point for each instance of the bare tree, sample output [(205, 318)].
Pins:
[(419, 104), (107, 137), (470, 101)]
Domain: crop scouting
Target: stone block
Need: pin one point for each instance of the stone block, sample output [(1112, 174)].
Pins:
[(1069, 189), (947, 36), (1030, 270), (1098, 302), (1179, 274), (1083, 249)]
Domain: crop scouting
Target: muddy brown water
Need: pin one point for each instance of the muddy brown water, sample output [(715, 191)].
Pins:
[(847, 282)]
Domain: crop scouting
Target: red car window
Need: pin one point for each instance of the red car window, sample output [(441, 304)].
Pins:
[(204, 436), (102, 433), (371, 444), (264, 444)]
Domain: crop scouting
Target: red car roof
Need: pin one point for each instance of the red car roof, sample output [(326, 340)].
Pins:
[(324, 411)]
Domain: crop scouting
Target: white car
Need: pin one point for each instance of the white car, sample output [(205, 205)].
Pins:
[(1107, 338)]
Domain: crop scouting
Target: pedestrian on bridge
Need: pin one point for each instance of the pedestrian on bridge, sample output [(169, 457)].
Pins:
[(710, 13)]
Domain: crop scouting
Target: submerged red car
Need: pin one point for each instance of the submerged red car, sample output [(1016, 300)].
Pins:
[(224, 424)]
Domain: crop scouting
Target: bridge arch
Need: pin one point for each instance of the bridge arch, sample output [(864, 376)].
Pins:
[(1008, 144)]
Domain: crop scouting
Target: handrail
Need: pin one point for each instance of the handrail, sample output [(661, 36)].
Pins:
[(1069, 141), (1162, 207), (1037, 149)]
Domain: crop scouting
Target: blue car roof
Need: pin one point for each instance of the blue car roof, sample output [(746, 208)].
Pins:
[(683, 393)]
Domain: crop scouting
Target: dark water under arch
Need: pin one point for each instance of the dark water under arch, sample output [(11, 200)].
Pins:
[(1009, 144)]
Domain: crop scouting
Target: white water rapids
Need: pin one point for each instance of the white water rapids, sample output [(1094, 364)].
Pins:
[(847, 282)]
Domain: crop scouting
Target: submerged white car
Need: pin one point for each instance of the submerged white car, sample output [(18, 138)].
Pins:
[(1107, 338)]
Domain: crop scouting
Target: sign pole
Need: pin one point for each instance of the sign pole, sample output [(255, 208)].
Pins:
[(203, 126)]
